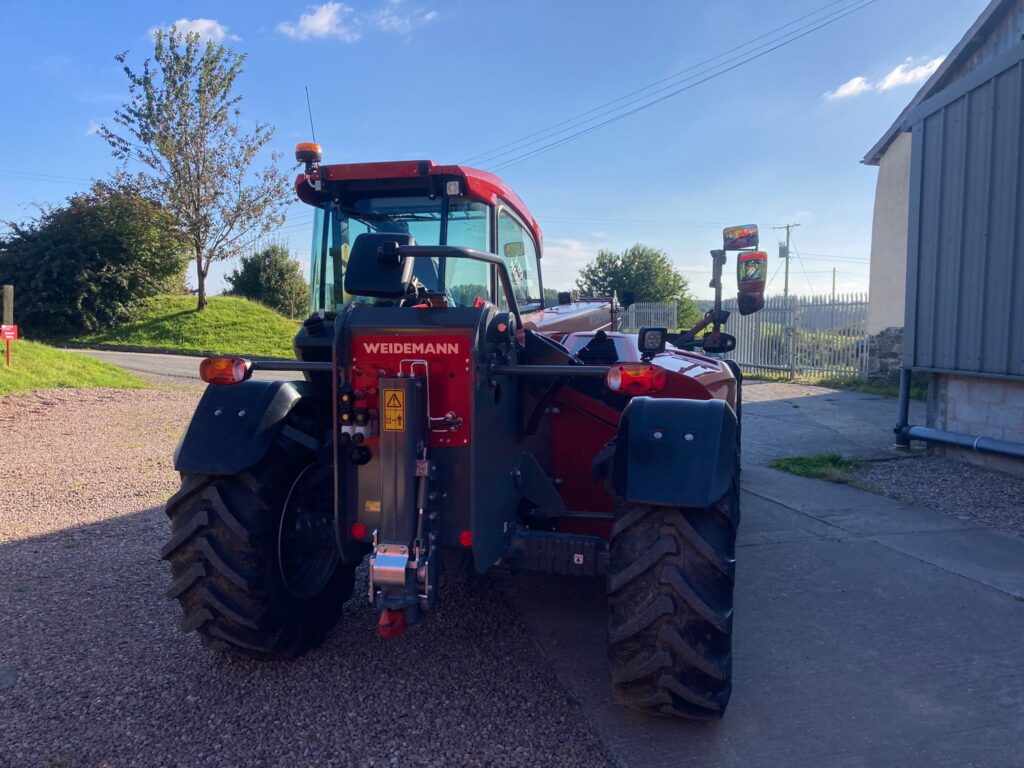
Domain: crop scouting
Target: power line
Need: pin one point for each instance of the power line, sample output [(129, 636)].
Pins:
[(489, 154), (47, 177), (547, 147)]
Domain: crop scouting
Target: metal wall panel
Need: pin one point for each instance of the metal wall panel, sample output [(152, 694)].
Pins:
[(965, 260)]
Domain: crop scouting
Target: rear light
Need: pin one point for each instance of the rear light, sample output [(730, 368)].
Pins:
[(224, 370), (466, 538), (358, 531), (635, 379)]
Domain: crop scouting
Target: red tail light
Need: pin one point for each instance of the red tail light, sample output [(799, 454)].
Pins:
[(224, 370), (358, 531), (635, 379)]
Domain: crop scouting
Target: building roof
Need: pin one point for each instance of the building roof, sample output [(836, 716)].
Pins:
[(974, 38)]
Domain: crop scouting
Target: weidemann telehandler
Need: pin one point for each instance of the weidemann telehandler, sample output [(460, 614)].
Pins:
[(447, 420)]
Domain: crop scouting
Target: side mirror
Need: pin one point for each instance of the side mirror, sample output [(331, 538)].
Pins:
[(515, 250), (726, 343), (738, 238), (751, 278)]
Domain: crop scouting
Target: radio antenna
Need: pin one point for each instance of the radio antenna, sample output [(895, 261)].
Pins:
[(310, 110)]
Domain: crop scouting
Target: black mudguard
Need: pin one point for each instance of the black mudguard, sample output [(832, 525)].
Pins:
[(235, 425), (677, 453)]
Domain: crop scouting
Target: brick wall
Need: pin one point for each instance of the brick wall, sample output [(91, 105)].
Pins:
[(978, 406)]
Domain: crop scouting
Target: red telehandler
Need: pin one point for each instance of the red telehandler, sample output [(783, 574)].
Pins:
[(445, 419)]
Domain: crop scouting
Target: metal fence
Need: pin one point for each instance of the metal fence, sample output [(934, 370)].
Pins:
[(805, 336), (649, 314)]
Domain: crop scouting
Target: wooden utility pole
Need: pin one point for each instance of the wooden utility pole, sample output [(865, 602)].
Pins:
[(784, 254)]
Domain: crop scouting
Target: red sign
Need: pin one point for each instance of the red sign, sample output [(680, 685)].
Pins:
[(8, 333)]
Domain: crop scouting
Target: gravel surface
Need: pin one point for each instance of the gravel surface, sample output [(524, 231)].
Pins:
[(992, 499), (94, 671)]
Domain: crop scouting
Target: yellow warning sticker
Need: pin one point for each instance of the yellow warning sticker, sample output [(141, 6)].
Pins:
[(394, 410)]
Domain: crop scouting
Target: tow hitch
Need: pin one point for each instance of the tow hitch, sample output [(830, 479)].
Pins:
[(403, 568)]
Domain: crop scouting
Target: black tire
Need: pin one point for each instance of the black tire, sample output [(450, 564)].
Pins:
[(225, 570), (670, 607)]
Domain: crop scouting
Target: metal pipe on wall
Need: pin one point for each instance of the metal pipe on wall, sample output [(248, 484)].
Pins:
[(906, 432)]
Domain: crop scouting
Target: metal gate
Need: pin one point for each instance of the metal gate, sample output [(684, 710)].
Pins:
[(820, 337)]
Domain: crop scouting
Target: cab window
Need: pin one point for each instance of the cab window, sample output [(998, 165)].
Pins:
[(516, 247)]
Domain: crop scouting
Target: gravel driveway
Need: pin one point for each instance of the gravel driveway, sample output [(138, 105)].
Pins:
[(993, 499), (94, 671)]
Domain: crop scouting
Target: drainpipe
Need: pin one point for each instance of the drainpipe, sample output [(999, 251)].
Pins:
[(905, 432), (902, 439)]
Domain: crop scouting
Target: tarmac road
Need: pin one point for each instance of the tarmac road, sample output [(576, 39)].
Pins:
[(171, 369)]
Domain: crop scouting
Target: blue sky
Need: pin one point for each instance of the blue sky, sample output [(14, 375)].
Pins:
[(774, 141)]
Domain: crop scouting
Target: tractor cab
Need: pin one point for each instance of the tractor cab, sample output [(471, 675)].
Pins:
[(435, 206)]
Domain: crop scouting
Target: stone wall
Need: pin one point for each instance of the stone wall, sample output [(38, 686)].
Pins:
[(885, 356), (985, 407)]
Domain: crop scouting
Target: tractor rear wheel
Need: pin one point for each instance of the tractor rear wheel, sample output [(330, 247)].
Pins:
[(670, 607), (235, 539)]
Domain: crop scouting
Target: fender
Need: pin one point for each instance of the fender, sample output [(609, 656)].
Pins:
[(674, 452), (235, 425)]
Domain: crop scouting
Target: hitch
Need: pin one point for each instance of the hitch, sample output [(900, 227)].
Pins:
[(403, 565)]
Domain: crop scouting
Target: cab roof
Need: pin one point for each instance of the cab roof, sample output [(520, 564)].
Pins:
[(479, 185)]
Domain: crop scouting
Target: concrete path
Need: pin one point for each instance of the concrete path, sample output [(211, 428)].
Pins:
[(783, 419), (867, 632)]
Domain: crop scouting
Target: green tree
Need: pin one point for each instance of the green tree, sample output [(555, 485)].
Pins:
[(89, 264), (182, 124), (646, 272), (272, 277)]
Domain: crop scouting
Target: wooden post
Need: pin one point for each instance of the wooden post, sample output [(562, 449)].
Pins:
[(8, 305), (8, 315)]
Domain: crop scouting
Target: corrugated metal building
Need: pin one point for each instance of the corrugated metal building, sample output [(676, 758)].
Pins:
[(964, 238)]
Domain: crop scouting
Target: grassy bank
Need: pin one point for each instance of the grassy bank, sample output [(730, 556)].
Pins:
[(38, 366), (228, 326)]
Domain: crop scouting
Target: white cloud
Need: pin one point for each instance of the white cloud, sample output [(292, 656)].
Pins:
[(564, 257), (207, 29), (855, 86), (334, 19), (906, 74), (93, 128), (327, 20)]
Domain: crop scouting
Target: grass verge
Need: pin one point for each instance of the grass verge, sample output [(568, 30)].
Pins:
[(859, 385), (822, 466), (228, 326), (38, 366)]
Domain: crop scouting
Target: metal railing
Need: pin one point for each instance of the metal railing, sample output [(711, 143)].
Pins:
[(649, 314), (803, 336)]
